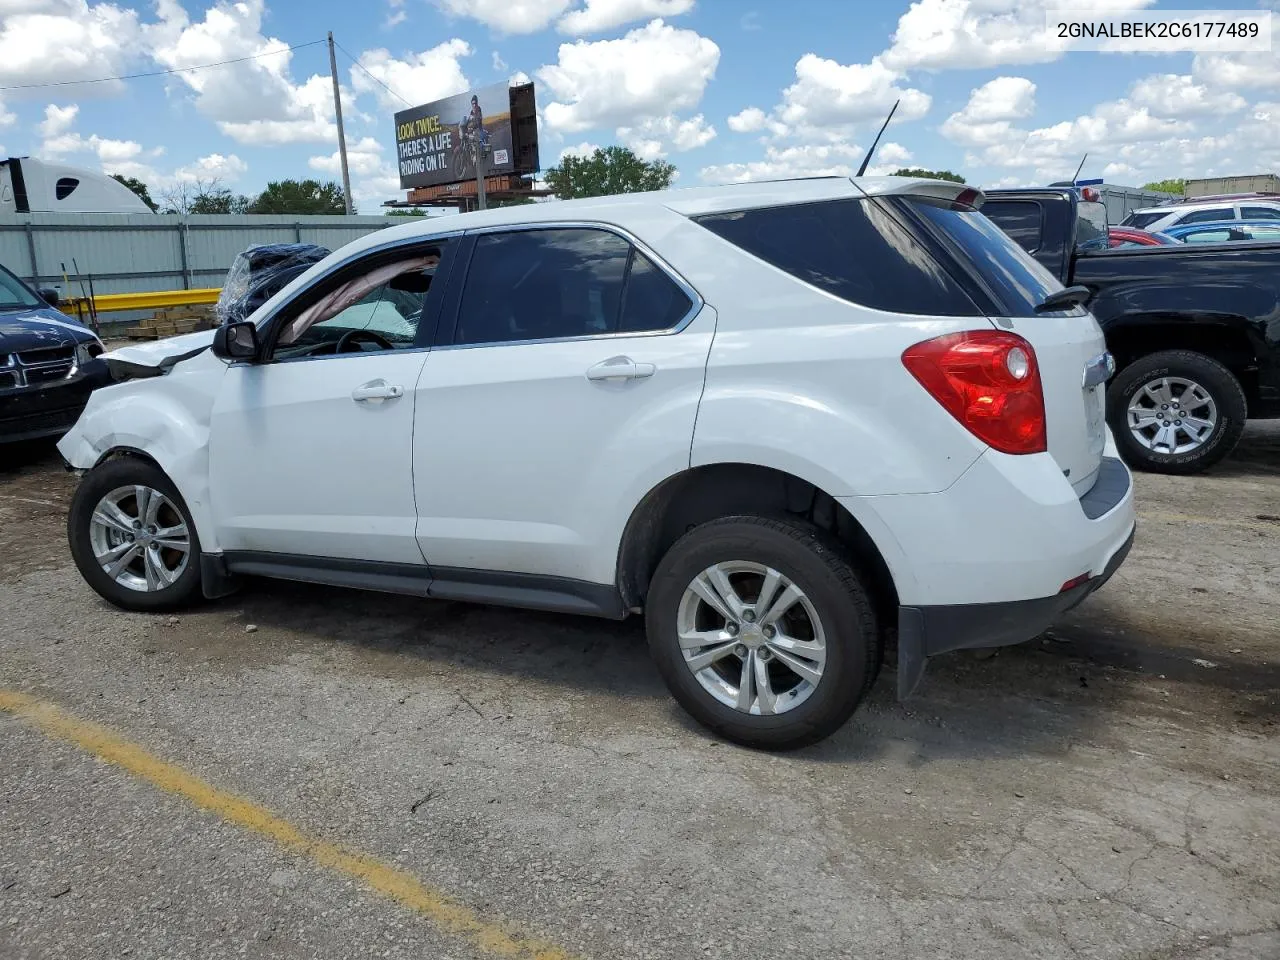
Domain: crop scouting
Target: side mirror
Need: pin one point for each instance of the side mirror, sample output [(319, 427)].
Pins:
[(50, 296), (236, 341)]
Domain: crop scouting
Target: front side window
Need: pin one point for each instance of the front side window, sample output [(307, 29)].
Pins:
[(561, 283), (378, 309), (857, 250), (1209, 236), (1208, 216)]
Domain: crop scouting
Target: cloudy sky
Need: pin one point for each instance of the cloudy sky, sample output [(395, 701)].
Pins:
[(724, 89)]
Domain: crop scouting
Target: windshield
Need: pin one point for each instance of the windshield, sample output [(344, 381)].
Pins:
[(1016, 281), (1141, 219), (14, 294)]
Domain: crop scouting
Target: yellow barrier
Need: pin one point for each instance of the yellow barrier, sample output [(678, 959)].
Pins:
[(148, 300)]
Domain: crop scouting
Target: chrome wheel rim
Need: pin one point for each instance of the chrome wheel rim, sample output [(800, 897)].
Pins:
[(1171, 415), (139, 538), (751, 638)]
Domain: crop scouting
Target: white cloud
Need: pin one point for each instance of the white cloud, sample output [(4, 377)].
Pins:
[(651, 72), (58, 119), (518, 78), (108, 151), (808, 160), (499, 65), (968, 34), (986, 118), (215, 166), (255, 101), (420, 78), (583, 149), (601, 15), (893, 155), (748, 120), (507, 16), (364, 158), (1238, 71), (654, 136), (60, 40), (828, 97), (1174, 95)]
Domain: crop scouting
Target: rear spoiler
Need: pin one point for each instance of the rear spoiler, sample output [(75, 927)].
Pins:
[(916, 187)]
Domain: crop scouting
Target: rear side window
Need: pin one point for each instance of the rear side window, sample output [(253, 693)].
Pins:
[(1259, 213), (854, 249), (558, 283), (1021, 219), (1015, 281), (1142, 220), (1208, 216)]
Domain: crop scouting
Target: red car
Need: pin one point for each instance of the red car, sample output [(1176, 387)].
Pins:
[(1133, 237)]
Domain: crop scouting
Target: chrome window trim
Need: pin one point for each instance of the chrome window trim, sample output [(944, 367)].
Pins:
[(695, 298)]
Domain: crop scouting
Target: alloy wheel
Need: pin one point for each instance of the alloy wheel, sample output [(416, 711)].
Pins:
[(140, 539), (1172, 415), (751, 637)]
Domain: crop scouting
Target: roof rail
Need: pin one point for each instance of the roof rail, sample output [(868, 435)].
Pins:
[(1213, 197)]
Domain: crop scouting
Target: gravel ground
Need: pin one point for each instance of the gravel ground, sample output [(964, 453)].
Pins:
[(1107, 791)]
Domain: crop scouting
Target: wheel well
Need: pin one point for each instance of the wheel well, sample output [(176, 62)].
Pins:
[(119, 453), (1224, 342), (701, 494)]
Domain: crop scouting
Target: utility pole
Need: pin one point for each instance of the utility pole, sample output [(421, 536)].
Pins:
[(342, 137)]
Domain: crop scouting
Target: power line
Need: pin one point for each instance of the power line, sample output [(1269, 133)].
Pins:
[(162, 73), (371, 76)]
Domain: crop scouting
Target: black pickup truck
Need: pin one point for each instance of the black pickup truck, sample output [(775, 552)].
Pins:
[(1195, 330)]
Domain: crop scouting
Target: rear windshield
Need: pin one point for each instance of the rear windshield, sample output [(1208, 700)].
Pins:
[(1014, 280), (1141, 220)]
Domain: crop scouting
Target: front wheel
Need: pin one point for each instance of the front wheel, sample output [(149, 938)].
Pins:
[(1175, 411), (762, 631), (132, 538)]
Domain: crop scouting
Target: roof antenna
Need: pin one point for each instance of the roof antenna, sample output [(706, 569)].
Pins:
[(876, 142), (1078, 169)]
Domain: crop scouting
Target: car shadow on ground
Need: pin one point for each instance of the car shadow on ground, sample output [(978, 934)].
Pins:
[(1022, 701)]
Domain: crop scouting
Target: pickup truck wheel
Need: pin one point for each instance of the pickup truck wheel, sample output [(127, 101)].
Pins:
[(132, 538), (762, 631), (1175, 411)]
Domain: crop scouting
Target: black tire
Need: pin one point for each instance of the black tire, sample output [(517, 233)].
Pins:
[(99, 482), (1218, 382), (818, 567)]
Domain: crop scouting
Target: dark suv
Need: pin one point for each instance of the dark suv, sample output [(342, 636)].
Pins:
[(49, 363)]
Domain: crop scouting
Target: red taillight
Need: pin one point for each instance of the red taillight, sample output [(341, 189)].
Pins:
[(989, 381)]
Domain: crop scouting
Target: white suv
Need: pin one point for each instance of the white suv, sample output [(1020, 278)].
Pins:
[(1155, 219), (780, 420)]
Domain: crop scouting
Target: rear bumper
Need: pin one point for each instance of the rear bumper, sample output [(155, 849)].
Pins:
[(926, 631)]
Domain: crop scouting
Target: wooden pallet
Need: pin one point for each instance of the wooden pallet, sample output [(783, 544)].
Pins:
[(159, 329)]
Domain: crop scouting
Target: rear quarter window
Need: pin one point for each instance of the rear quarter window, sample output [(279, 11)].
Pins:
[(857, 250)]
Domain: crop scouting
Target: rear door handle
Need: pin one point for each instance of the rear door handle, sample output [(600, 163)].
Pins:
[(377, 390), (620, 368)]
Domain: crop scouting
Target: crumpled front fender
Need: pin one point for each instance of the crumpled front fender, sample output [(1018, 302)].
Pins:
[(166, 419)]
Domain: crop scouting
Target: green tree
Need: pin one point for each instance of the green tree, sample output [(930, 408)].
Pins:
[(138, 187), (219, 200), (608, 171), (406, 212), (300, 196), (929, 174), (1176, 187)]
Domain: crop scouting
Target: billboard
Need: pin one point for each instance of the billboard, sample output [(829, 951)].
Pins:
[(439, 142)]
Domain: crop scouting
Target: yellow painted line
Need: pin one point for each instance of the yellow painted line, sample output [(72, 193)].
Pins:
[(1214, 521), (446, 913)]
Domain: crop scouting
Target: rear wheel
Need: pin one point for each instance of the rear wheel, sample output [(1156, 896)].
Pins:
[(1175, 411), (132, 538), (763, 631)]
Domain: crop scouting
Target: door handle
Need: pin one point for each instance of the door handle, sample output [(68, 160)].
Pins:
[(377, 390), (620, 368)]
